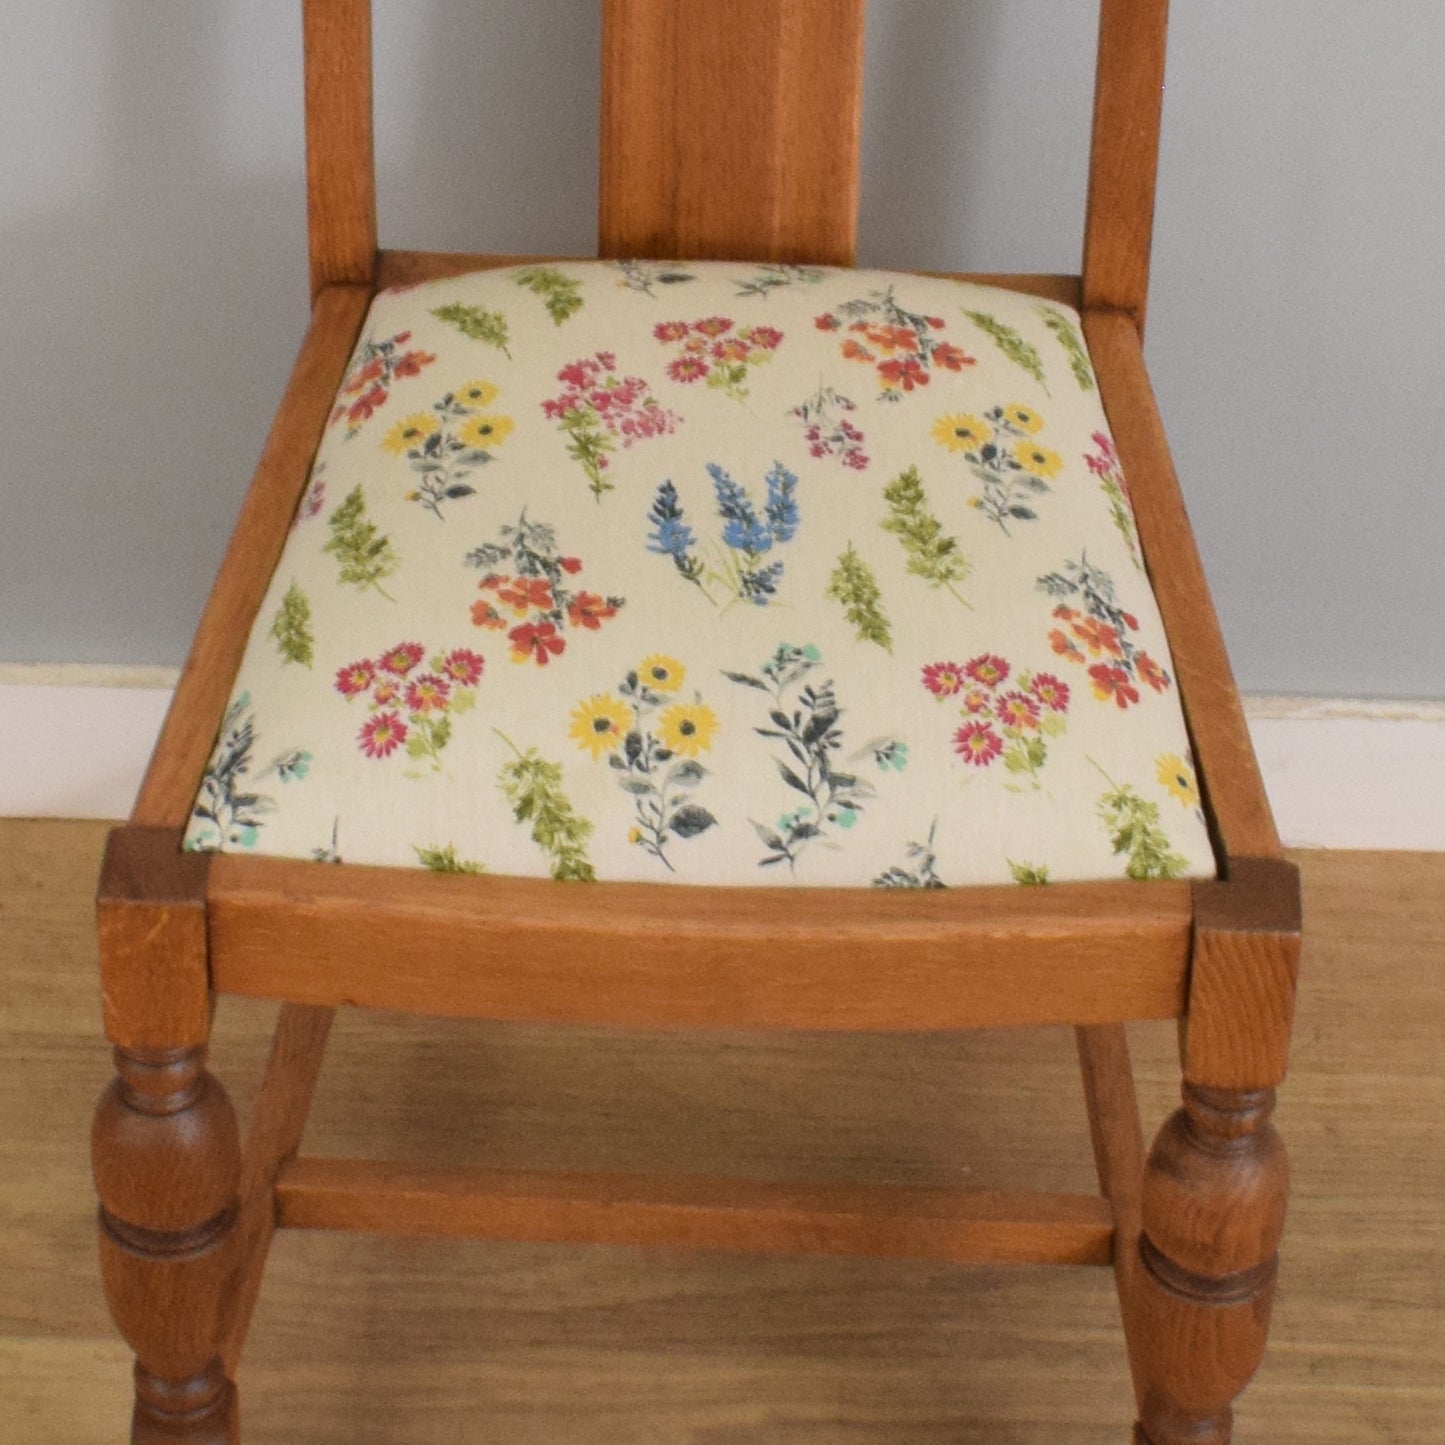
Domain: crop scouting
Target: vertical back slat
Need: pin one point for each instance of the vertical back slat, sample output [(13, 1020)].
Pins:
[(340, 158), (1128, 100), (731, 130)]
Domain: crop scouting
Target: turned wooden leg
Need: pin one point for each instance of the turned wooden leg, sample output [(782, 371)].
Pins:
[(165, 1147), (1214, 1200), (167, 1167)]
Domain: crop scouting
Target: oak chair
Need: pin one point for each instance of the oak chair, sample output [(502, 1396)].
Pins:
[(188, 1209)]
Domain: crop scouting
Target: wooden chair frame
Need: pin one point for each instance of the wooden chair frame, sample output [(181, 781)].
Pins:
[(188, 1210)]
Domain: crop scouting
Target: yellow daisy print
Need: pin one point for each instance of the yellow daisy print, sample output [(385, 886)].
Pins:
[(687, 728), (1178, 777), (600, 724), (962, 433), (1023, 418), (661, 673), (1036, 459), (475, 395), (485, 432), (409, 432)]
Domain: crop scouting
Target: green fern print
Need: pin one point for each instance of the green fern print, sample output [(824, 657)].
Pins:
[(1013, 346), (855, 586), (478, 323), (533, 787), (291, 628), (1134, 831), (931, 554), (445, 860), (365, 554), (1070, 340), (561, 294)]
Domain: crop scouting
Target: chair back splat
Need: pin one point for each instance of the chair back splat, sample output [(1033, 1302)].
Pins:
[(774, 177)]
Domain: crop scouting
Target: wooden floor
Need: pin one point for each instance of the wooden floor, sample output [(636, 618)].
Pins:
[(407, 1343)]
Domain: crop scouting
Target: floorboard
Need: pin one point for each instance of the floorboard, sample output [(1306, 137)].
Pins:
[(375, 1342)]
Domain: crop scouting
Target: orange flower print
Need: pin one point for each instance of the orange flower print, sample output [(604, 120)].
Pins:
[(374, 367), (538, 595), (1104, 627), (899, 344)]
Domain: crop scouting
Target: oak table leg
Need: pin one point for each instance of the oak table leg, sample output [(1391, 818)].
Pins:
[(165, 1145)]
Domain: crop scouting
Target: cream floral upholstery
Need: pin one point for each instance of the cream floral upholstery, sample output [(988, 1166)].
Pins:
[(719, 574)]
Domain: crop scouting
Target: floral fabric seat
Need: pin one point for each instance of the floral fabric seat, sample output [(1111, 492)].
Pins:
[(714, 574)]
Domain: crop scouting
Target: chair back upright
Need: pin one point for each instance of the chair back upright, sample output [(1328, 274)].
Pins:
[(773, 174)]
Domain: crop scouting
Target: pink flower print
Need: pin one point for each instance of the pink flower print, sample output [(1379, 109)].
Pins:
[(402, 658), (355, 678), (943, 679), (464, 666), (987, 668), (977, 743), (1017, 710), (670, 330), (381, 735), (687, 368), (1050, 691), (713, 326)]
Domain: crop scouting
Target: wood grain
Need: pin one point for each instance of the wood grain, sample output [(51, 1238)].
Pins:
[(1124, 156), (200, 698), (409, 268), (747, 1216), (1242, 979), (1229, 774), (397, 1342), (340, 150), (731, 131), (651, 955), (277, 1123)]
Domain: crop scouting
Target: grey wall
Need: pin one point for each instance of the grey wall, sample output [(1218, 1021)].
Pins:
[(153, 285)]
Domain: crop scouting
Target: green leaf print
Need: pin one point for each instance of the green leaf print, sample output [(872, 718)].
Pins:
[(1134, 831), (855, 586), (1029, 875), (931, 555), (561, 294), (291, 628), (445, 860), (1013, 346), (1070, 340), (533, 787), (365, 554), (478, 323)]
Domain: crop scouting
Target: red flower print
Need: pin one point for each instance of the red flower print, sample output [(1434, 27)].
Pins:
[(571, 565), (670, 330), (1113, 682), (687, 368), (1065, 613), (363, 376), (827, 322), (589, 610), (402, 658), (977, 743), (524, 594), (580, 374), (463, 666), (943, 679), (355, 677), (712, 325), (906, 374), (485, 615), (951, 357), (1131, 622), (936, 322), (766, 337), (1050, 691), (988, 668), (428, 693), (1018, 710), (538, 641), (412, 363), (361, 409), (381, 735), (1064, 647), (1151, 672)]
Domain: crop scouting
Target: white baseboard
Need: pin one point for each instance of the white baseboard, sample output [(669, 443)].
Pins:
[(1341, 773)]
